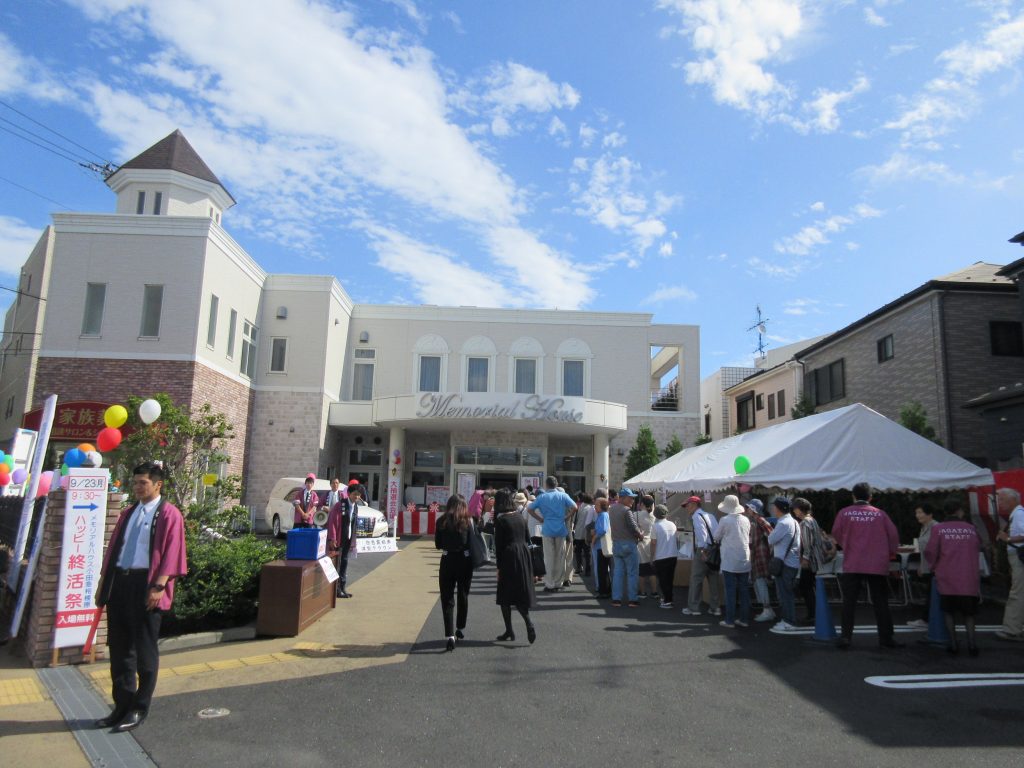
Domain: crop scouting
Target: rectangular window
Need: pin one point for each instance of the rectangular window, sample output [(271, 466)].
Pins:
[(365, 354), (248, 363), (152, 303), (365, 457), (745, 413), (211, 326), (885, 349), (771, 407), (140, 204), (759, 402), (428, 458), (533, 457), (278, 353), (1007, 339), (465, 454), (780, 399), (826, 384), (92, 318), (572, 378), (476, 377), (158, 199), (569, 464), (362, 381), (526, 376), (430, 373), (232, 322)]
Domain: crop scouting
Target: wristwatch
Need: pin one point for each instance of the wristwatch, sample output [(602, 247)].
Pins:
[(157, 587)]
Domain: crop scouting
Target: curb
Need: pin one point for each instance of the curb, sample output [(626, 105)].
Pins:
[(200, 639)]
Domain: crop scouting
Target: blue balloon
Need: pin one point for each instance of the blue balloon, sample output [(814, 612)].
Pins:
[(74, 457)]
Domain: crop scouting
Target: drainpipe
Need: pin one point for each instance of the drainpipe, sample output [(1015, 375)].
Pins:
[(945, 370)]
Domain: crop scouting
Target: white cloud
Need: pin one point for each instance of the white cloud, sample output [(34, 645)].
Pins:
[(665, 249), (874, 18), (669, 292), (613, 140), (801, 307), (818, 206), (950, 97), (587, 135), (453, 18), (901, 167), (820, 233), (303, 156), (16, 242), (772, 269), (557, 128), (824, 106), (735, 40), (24, 74)]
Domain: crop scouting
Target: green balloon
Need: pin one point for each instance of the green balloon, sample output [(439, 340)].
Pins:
[(741, 465), (64, 469)]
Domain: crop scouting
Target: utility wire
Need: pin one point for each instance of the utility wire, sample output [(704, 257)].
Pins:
[(33, 192), (21, 293), (59, 154), (106, 170), (56, 133)]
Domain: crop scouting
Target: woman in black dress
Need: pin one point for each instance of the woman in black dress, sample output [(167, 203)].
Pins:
[(515, 568), (451, 535)]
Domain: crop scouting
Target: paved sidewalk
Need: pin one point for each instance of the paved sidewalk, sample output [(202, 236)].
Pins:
[(356, 634)]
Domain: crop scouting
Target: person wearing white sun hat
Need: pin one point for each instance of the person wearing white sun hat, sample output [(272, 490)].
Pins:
[(734, 536)]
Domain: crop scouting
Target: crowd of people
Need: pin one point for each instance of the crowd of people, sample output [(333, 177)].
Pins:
[(628, 547)]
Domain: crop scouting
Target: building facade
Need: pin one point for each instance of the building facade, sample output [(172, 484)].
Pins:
[(414, 401)]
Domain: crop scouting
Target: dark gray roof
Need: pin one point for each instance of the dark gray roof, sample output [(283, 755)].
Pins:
[(174, 153), (1014, 269)]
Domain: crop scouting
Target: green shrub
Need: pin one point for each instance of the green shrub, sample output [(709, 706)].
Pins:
[(223, 582)]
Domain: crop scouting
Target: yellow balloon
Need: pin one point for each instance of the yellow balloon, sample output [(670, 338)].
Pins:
[(210, 479), (115, 416)]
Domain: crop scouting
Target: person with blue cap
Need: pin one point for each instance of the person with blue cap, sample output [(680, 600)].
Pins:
[(625, 555)]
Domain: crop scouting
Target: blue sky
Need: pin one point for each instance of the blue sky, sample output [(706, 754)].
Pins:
[(688, 158)]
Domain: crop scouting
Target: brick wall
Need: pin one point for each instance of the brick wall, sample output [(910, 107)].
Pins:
[(43, 605)]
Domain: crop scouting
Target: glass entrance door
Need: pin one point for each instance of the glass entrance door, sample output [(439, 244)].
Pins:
[(371, 482)]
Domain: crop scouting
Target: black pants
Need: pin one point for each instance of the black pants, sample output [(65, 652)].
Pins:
[(604, 576), (665, 570), (581, 551), (807, 590), (454, 578), (343, 566), (850, 582), (132, 632)]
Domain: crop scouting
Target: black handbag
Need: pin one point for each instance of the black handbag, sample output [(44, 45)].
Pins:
[(479, 554), (713, 551), (537, 558), (776, 564)]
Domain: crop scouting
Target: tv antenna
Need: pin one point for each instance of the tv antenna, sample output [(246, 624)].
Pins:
[(762, 330)]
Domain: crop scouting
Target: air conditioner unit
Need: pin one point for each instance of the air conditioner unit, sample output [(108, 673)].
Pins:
[(282, 313)]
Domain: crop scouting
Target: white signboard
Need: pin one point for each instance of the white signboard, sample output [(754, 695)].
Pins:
[(438, 494), (466, 484), (394, 500), (329, 570), (85, 516), (381, 544)]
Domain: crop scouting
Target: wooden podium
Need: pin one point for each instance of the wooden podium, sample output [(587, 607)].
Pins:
[(293, 594)]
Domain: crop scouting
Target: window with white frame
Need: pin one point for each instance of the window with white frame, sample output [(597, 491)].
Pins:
[(476, 374), (232, 322), (430, 373), (248, 363), (211, 326), (92, 318), (572, 377), (140, 203), (526, 372), (278, 354), (525, 376), (574, 358), (158, 201), (152, 303), (478, 358), (362, 373)]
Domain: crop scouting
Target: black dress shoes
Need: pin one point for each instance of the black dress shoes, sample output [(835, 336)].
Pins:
[(112, 719), (134, 719)]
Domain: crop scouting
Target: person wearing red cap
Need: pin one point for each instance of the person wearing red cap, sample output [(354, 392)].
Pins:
[(704, 527), (306, 504)]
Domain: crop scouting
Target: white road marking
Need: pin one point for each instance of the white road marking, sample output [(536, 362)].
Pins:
[(911, 682), (870, 629)]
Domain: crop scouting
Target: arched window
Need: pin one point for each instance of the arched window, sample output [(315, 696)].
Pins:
[(430, 367), (525, 366), (478, 358), (574, 358)]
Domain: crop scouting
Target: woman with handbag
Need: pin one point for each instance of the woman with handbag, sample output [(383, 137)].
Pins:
[(455, 574), (785, 562), (515, 567), (601, 542)]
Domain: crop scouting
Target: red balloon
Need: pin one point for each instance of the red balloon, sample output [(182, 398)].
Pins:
[(5, 477), (108, 439)]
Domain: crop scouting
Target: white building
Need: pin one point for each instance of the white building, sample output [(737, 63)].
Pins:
[(157, 297)]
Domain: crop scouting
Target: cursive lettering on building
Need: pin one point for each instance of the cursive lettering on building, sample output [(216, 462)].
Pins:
[(435, 405)]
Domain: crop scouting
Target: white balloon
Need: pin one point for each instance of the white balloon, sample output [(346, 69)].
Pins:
[(95, 458), (149, 411)]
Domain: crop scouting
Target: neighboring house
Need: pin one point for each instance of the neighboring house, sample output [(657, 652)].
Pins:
[(943, 344), (157, 297), (1002, 408), (716, 408)]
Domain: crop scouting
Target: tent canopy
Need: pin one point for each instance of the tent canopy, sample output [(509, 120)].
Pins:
[(827, 451)]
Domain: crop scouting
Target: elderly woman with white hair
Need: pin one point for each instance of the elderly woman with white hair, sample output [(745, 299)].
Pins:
[(733, 534), (1008, 503)]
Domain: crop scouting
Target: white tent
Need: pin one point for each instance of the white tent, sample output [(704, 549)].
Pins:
[(826, 451)]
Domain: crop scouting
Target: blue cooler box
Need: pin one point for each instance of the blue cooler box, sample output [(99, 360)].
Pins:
[(306, 544)]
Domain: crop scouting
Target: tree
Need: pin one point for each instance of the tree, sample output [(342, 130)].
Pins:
[(804, 406), (914, 417), (643, 455), (674, 446), (702, 440)]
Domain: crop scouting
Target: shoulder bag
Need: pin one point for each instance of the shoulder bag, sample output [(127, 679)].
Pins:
[(713, 551), (776, 564), (479, 554)]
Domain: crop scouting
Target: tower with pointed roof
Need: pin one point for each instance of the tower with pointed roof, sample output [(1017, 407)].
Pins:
[(169, 179)]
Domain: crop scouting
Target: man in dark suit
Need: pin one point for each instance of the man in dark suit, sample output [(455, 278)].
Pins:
[(341, 532)]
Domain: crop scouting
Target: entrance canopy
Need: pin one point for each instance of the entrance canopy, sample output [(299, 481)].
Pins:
[(826, 451)]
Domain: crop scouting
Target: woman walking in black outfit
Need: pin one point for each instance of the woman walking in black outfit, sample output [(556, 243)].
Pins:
[(515, 566), (451, 535)]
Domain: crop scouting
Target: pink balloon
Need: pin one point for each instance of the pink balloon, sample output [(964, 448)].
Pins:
[(45, 480), (65, 481)]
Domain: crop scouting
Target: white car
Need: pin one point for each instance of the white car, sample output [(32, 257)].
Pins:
[(279, 514)]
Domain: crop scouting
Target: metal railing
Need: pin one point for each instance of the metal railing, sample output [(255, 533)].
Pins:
[(666, 399)]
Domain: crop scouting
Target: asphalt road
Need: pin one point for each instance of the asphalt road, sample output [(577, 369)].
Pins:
[(605, 686)]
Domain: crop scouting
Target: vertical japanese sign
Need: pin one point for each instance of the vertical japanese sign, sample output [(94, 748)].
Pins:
[(85, 516), (394, 502)]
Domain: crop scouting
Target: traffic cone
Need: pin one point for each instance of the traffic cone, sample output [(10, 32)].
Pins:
[(937, 632), (824, 629)]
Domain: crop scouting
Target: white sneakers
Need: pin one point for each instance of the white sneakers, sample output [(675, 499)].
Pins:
[(783, 626), (919, 623), (663, 604), (688, 612), (766, 615), (741, 623), (726, 624)]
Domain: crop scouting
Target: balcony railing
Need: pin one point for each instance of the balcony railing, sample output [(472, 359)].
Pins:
[(665, 399)]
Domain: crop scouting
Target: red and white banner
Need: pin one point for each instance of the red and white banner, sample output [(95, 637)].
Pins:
[(416, 523), (85, 516)]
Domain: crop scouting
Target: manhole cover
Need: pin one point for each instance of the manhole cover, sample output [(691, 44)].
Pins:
[(212, 712)]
